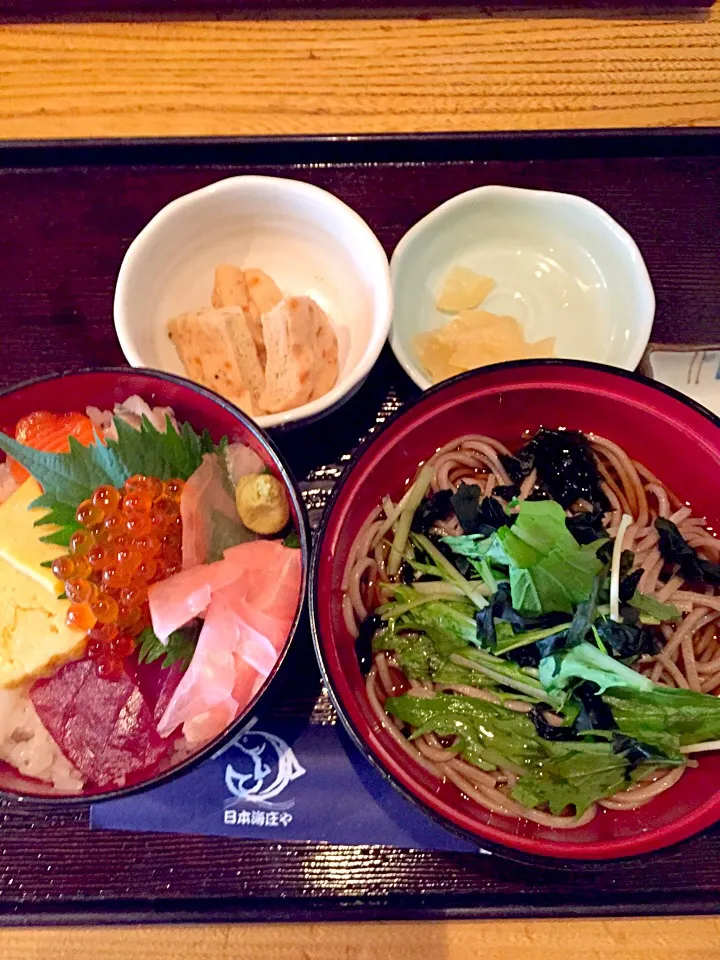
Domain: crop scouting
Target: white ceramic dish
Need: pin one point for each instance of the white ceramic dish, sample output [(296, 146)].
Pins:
[(306, 239), (563, 267)]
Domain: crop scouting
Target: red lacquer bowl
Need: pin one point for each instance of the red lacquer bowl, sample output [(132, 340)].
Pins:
[(677, 439), (202, 409)]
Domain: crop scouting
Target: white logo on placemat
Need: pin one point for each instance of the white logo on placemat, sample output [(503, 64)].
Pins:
[(263, 765)]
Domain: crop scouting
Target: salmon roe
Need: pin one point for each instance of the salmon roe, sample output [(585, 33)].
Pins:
[(128, 539)]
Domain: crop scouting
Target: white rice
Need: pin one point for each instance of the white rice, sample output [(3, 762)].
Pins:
[(26, 745)]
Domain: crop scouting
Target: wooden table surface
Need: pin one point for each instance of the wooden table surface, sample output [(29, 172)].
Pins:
[(489, 72), (674, 939), (350, 75)]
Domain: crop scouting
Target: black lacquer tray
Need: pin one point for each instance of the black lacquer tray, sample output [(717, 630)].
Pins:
[(68, 213)]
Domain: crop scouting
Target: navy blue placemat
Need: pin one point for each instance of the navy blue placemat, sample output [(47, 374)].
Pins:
[(282, 778)]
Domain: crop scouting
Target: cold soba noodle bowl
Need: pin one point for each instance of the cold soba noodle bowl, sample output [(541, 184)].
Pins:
[(540, 625)]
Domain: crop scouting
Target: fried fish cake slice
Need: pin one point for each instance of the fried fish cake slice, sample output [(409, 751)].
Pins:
[(290, 331), (326, 356), (263, 290), (230, 289), (218, 350)]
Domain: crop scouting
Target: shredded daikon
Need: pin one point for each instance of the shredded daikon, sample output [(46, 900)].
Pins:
[(615, 568)]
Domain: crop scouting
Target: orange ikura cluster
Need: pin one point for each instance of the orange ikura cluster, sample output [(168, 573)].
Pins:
[(129, 539)]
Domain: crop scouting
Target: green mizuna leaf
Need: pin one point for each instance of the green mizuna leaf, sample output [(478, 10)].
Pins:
[(666, 711), (653, 608), (574, 774), (488, 736), (560, 774), (560, 671), (549, 570)]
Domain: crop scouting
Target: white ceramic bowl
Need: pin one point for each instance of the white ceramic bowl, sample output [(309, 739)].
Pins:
[(563, 267), (306, 239)]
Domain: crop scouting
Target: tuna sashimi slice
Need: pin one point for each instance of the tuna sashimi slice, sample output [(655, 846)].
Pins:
[(104, 727), (210, 521)]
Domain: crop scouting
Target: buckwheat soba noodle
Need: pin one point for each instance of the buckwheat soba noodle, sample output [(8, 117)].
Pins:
[(543, 625)]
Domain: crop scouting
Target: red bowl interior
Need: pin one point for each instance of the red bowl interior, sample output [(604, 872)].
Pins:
[(678, 441), (202, 409)]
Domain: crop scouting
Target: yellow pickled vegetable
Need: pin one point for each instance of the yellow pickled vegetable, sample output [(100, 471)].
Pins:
[(463, 289), (262, 503), (473, 339)]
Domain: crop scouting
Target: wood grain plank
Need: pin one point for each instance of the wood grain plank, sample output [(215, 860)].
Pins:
[(44, 11), (688, 939), (338, 76)]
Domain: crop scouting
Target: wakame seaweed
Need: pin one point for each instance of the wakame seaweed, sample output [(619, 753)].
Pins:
[(565, 465), (506, 491), (364, 642), (547, 730), (604, 554), (675, 549), (517, 468), (478, 514), (531, 654), (629, 584), (627, 641), (436, 507), (593, 714), (587, 526)]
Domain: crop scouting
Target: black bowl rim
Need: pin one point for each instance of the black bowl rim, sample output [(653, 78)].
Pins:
[(223, 739), (509, 853)]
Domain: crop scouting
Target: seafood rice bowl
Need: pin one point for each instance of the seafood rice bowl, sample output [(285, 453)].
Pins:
[(151, 576)]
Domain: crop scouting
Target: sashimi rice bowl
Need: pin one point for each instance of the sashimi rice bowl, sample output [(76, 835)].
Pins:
[(152, 569)]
